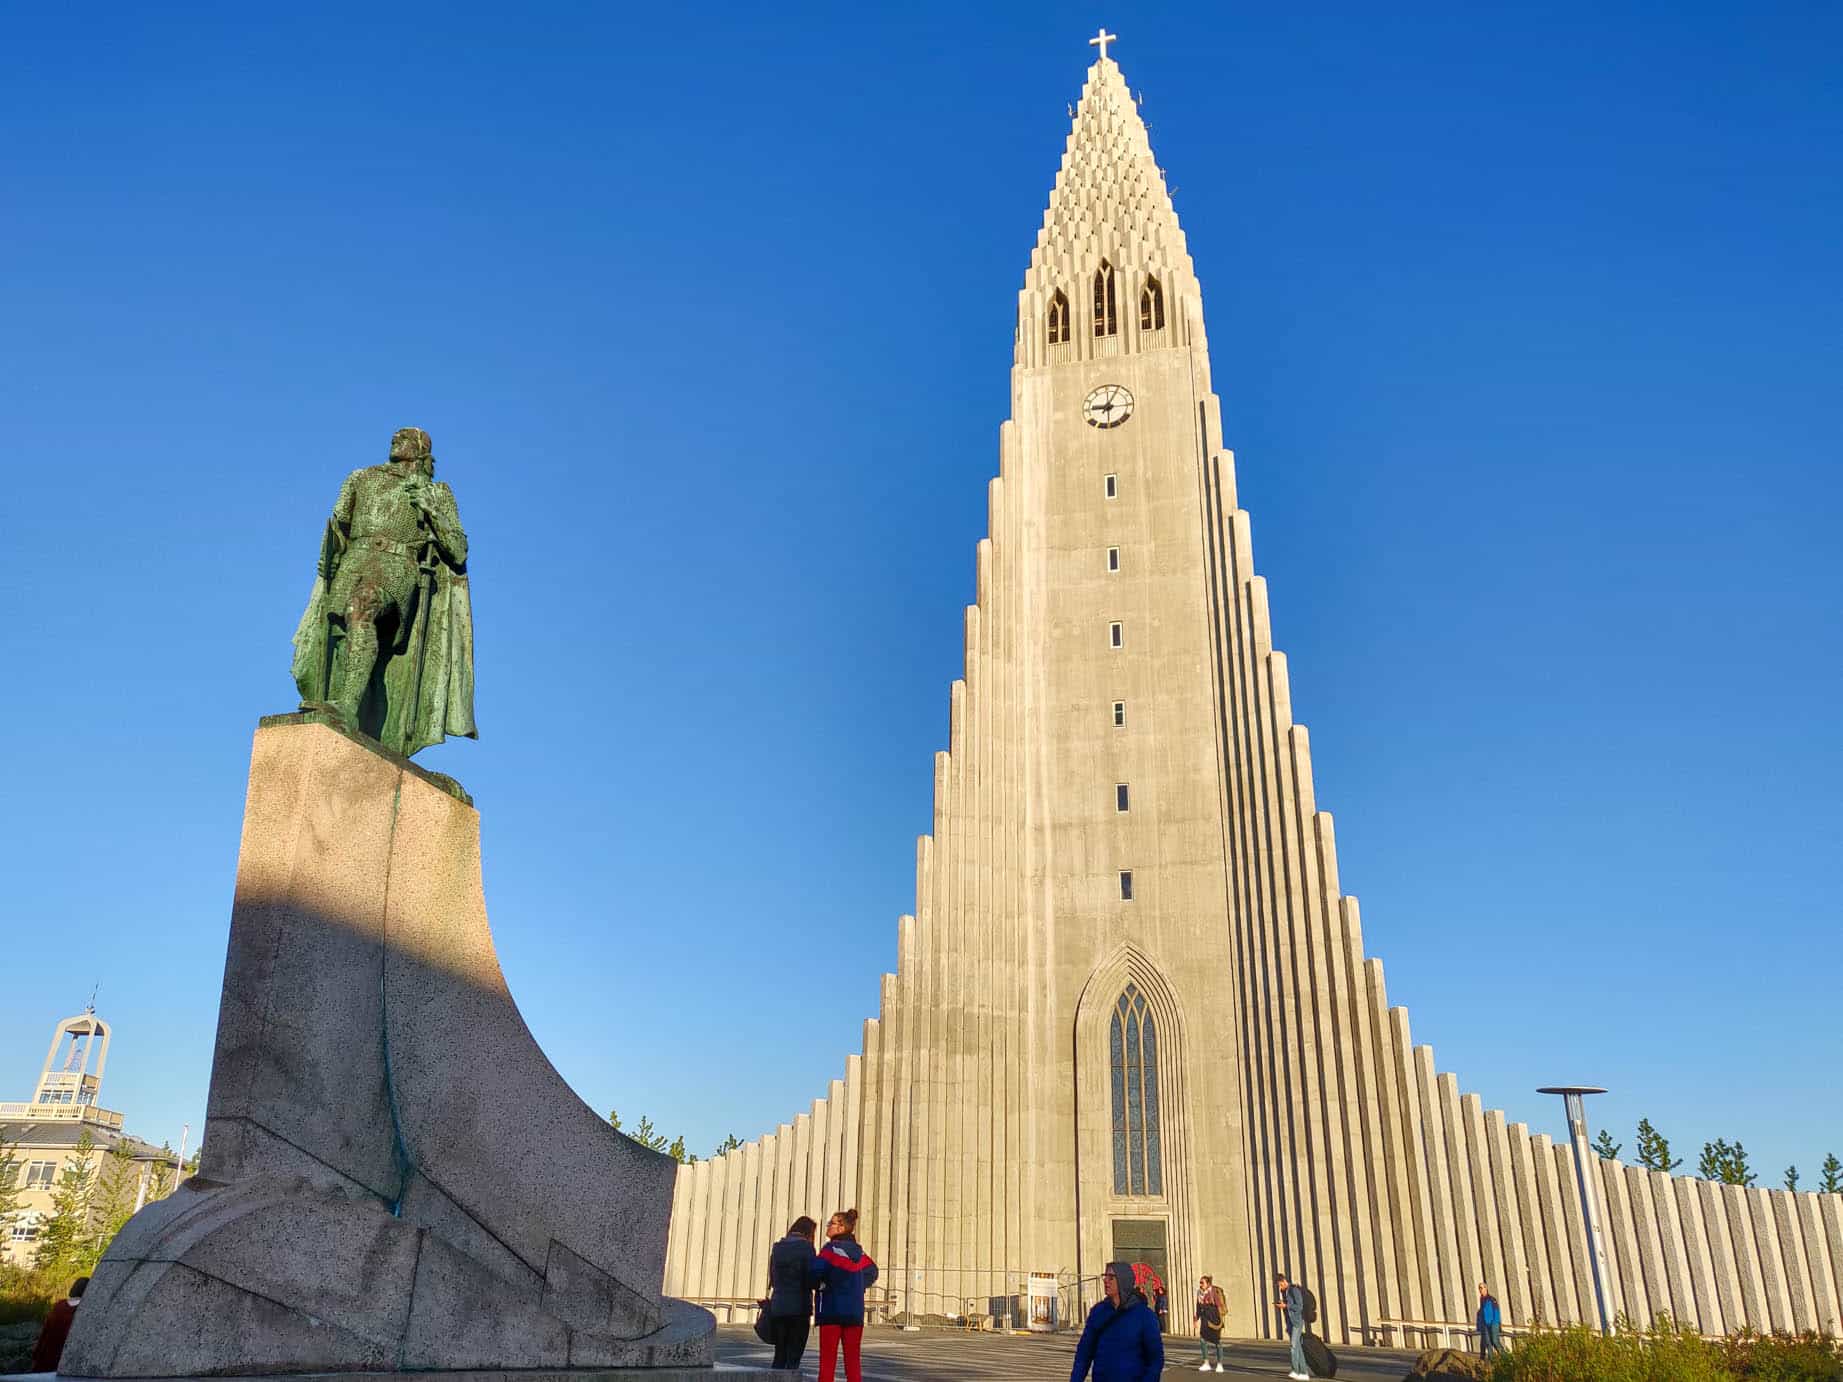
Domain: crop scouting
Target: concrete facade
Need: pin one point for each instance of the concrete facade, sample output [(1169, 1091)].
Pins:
[(1120, 638), (353, 1209)]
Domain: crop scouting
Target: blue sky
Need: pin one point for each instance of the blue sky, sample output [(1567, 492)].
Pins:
[(1526, 321)]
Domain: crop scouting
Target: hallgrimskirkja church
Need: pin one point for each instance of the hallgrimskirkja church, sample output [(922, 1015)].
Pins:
[(1133, 1015)]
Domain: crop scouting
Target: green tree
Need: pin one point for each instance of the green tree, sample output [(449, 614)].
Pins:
[(649, 1137), (1832, 1183), (163, 1173), (118, 1185), (1725, 1163), (1654, 1149), (728, 1144), (1791, 1178), (10, 1188), (1736, 1171), (1606, 1147), (64, 1237)]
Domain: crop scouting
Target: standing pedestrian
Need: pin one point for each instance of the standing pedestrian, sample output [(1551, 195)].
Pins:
[(790, 1297), (1209, 1322), (1121, 1340), (1490, 1324), (841, 1273), (1292, 1303)]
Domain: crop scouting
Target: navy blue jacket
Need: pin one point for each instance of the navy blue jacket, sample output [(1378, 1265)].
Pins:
[(1129, 1351), (788, 1290), (840, 1274)]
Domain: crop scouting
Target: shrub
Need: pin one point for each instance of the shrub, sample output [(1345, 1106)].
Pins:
[(1580, 1354), (1665, 1353), (26, 1294), (1806, 1357)]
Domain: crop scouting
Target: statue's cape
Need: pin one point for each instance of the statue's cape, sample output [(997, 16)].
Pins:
[(444, 633)]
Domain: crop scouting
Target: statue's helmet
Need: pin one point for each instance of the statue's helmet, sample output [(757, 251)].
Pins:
[(412, 444)]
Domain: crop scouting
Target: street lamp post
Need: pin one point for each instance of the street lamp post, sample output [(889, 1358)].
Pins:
[(1572, 1097)]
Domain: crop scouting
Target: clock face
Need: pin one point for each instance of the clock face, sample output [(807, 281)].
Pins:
[(1108, 406)]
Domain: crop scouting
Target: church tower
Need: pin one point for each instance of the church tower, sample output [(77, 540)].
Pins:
[(1131, 1016)]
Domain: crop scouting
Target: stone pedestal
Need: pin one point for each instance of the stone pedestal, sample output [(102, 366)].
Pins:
[(394, 1177)]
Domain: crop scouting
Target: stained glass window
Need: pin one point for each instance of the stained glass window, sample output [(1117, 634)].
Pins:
[(1132, 1040)]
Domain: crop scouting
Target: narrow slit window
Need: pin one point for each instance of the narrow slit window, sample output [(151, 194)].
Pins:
[(1106, 319), (1116, 635), (1119, 713), (1059, 318), (1113, 486), (1126, 885), (1122, 799), (1113, 558), (1151, 306)]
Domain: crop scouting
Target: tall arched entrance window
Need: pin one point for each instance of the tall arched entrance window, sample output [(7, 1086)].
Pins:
[(1132, 1045)]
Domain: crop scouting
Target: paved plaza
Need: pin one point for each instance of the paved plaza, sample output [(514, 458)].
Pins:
[(935, 1355)]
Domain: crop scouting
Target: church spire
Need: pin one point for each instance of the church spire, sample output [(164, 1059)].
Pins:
[(1110, 231)]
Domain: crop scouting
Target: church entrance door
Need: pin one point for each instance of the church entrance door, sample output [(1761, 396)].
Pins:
[(1142, 1242)]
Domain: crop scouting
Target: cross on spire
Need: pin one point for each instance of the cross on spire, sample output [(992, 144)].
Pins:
[(1101, 40)]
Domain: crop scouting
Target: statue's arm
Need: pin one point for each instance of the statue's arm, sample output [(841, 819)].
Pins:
[(445, 523)]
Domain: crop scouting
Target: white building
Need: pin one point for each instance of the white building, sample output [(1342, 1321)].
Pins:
[(45, 1130)]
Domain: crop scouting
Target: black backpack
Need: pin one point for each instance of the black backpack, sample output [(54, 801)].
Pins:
[(1308, 1303)]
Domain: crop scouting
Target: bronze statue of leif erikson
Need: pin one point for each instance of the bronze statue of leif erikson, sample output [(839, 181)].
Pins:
[(387, 641)]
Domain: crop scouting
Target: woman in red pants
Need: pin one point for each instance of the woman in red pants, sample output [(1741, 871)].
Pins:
[(840, 1274)]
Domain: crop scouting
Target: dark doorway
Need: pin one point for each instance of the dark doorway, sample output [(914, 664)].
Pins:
[(1142, 1242)]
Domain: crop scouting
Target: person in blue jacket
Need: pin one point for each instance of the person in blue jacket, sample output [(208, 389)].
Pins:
[(840, 1274), (1121, 1340), (1490, 1324)]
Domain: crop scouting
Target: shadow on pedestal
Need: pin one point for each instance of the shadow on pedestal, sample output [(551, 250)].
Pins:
[(394, 1177)]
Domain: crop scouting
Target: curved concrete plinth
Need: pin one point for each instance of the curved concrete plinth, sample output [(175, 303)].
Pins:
[(394, 1177)]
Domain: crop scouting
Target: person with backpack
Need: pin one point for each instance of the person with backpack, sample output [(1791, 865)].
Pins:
[(1121, 1341), (1490, 1324), (1293, 1302), (840, 1274), (1208, 1316)]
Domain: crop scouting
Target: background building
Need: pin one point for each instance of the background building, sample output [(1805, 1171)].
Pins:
[(43, 1135)]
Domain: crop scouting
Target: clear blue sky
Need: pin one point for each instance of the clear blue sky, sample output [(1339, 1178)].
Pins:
[(1527, 323)]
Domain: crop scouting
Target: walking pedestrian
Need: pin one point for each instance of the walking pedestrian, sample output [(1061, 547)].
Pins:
[(840, 1274), (1292, 1302), (790, 1297), (1209, 1322), (1121, 1340), (1490, 1324)]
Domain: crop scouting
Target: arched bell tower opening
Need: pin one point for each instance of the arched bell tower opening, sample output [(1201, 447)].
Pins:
[(1134, 1197)]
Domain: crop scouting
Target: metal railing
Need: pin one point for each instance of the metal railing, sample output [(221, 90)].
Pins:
[(62, 1113)]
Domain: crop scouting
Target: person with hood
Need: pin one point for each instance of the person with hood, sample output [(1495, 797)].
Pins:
[(790, 1299), (840, 1275), (1490, 1324), (1121, 1340)]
